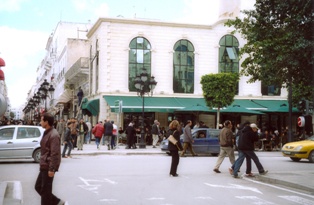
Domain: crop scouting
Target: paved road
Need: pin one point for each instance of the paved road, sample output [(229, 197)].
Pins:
[(282, 171)]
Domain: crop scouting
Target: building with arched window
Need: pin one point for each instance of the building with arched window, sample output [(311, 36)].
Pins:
[(177, 55)]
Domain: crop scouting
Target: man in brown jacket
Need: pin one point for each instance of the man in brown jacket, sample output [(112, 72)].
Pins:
[(226, 145), (49, 161)]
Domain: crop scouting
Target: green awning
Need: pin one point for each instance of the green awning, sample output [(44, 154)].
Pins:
[(91, 105), (152, 104), (239, 109), (248, 104), (275, 105)]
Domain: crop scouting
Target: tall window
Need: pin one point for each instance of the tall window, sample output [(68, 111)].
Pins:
[(183, 67), (139, 58), (228, 54)]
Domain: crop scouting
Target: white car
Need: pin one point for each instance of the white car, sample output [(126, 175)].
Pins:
[(20, 142)]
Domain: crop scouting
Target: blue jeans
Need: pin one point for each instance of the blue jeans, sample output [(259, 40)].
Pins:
[(97, 141), (113, 141), (87, 137), (247, 153), (68, 144)]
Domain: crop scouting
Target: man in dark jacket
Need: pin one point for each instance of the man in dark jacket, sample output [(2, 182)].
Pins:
[(108, 133), (82, 131), (50, 160), (246, 148), (130, 132)]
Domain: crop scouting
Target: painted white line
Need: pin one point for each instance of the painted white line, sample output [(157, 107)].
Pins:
[(110, 181), (298, 200), (155, 198), (255, 200), (235, 186), (277, 187), (204, 197), (109, 200)]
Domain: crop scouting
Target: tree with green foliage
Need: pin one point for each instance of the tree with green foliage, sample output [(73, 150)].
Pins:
[(219, 90), (280, 42)]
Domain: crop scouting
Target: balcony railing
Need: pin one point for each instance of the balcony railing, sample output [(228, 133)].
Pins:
[(79, 68)]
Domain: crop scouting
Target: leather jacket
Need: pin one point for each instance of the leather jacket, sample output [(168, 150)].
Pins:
[(50, 158)]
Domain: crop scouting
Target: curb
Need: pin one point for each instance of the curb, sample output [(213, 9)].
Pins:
[(3, 187), (11, 193), (271, 180)]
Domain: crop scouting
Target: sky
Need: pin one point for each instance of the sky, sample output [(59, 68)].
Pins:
[(25, 26)]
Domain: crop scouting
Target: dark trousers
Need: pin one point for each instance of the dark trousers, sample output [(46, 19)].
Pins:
[(250, 154), (43, 187), (240, 161), (174, 161)]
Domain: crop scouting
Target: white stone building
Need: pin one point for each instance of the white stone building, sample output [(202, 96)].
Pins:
[(103, 60)]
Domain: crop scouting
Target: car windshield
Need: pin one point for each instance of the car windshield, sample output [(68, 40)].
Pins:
[(311, 138)]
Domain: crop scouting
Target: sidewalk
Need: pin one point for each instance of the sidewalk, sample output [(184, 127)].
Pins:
[(303, 180)]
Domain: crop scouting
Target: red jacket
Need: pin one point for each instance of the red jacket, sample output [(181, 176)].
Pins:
[(98, 130)]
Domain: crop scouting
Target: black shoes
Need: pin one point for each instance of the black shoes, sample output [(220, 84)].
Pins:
[(174, 175), (217, 171)]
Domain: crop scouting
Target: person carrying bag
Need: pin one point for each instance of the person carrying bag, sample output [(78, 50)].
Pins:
[(174, 146)]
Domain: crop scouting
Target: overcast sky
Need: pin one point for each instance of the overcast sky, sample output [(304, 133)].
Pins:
[(25, 26)]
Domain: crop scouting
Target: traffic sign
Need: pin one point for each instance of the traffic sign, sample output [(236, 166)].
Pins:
[(301, 121)]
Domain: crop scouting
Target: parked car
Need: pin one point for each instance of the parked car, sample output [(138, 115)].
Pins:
[(205, 141), (20, 142), (299, 150)]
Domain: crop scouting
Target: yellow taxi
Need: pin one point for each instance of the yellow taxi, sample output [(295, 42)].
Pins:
[(300, 150)]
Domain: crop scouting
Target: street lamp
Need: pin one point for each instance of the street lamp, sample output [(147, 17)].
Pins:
[(143, 86), (44, 90)]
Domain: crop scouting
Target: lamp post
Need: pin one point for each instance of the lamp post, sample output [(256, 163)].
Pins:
[(144, 86), (44, 90)]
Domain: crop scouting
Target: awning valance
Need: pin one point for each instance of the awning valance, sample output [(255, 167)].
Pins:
[(152, 104), (91, 105), (281, 106), (65, 97)]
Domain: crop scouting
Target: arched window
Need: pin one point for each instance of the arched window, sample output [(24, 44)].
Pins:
[(183, 67), (139, 58), (228, 54)]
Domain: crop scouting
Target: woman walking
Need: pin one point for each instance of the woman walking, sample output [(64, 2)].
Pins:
[(175, 131)]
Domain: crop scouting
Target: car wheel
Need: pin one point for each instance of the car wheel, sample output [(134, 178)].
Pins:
[(311, 156), (215, 154), (295, 159), (36, 155), (168, 153)]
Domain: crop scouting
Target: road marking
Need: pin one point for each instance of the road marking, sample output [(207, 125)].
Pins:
[(109, 200), (235, 186), (255, 200), (90, 187), (155, 198), (110, 181), (204, 197), (298, 200), (277, 187)]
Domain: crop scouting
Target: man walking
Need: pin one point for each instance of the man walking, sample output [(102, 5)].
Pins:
[(61, 126), (98, 131), (155, 133), (187, 139), (108, 133), (226, 145), (50, 160), (246, 149), (82, 131)]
